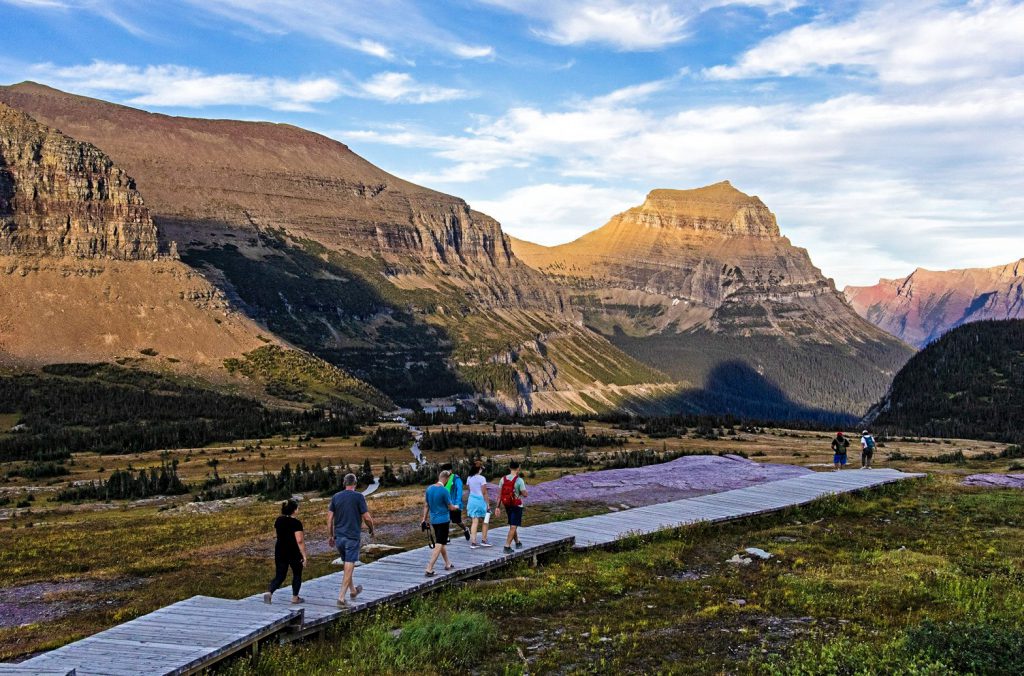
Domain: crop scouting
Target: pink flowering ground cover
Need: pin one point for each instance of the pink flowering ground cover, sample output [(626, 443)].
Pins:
[(995, 480), (684, 477)]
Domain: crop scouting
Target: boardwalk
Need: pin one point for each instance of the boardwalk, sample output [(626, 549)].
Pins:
[(190, 635)]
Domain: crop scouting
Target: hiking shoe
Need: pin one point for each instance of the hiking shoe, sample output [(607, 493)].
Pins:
[(519, 545), (509, 550), (465, 533)]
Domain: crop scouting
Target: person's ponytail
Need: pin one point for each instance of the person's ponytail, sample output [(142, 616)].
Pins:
[(288, 507)]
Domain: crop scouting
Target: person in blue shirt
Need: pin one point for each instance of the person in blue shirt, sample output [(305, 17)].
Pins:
[(437, 507)]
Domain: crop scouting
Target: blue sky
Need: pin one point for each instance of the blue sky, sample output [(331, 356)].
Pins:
[(885, 135)]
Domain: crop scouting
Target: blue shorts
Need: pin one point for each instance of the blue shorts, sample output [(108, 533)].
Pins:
[(515, 515), (839, 459), (477, 508), (349, 549)]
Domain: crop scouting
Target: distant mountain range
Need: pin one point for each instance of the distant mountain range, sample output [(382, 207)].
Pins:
[(926, 304), (702, 285), (968, 384), (233, 251)]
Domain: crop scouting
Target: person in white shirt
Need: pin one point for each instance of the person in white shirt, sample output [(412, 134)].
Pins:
[(478, 507)]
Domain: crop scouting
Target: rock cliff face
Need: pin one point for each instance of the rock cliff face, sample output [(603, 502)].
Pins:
[(926, 304), (404, 286), (61, 197), (702, 285)]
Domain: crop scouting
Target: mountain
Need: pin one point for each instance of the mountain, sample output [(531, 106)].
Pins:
[(84, 280), (702, 285), (407, 288), (926, 304), (967, 384)]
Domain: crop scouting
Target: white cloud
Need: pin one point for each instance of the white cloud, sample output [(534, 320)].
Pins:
[(472, 52), (180, 86), (401, 87), (551, 213), (939, 169), (910, 42)]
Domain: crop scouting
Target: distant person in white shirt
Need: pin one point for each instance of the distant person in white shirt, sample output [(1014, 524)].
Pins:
[(479, 506), (867, 449)]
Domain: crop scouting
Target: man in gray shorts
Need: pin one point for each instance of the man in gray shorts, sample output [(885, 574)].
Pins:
[(345, 517)]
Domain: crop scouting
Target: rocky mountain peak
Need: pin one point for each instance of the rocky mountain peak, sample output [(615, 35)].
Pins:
[(62, 197), (718, 208)]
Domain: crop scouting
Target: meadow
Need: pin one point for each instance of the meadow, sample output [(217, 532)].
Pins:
[(854, 581)]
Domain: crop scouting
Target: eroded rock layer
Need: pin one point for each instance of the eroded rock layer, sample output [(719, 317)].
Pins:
[(62, 197)]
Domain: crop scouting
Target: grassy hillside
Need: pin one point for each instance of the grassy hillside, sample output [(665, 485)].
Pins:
[(297, 376), (411, 343), (969, 383)]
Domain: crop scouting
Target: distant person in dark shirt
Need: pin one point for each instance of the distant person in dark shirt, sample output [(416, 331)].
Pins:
[(867, 449), (289, 552), (345, 518), (839, 449)]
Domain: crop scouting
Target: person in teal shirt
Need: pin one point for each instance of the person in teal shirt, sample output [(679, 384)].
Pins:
[(437, 506), (454, 486)]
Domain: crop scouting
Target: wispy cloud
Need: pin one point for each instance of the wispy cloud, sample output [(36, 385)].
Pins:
[(180, 86), (912, 42), (376, 28), (626, 25)]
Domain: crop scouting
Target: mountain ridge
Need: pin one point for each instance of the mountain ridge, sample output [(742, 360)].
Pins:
[(406, 287), (925, 304), (691, 279)]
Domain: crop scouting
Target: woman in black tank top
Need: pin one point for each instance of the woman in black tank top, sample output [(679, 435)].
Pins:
[(289, 551)]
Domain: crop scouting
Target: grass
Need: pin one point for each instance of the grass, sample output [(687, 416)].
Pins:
[(922, 578)]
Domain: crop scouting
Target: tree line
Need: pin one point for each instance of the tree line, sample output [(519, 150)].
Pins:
[(72, 408)]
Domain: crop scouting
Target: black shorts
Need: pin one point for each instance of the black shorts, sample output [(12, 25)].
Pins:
[(441, 532), (456, 516)]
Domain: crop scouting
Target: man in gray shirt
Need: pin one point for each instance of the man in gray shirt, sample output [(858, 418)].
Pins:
[(345, 518)]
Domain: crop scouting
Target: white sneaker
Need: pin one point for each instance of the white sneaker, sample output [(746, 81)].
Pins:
[(473, 545), (485, 543)]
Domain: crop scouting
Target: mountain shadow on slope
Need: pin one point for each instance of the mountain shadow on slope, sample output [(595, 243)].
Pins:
[(315, 301), (771, 368), (733, 387), (967, 384)]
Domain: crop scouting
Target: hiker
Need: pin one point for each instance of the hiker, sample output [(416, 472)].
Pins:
[(510, 496), (345, 518), (839, 447), (867, 449), (454, 486), (438, 507), (478, 506), (289, 552)]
